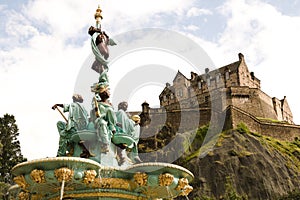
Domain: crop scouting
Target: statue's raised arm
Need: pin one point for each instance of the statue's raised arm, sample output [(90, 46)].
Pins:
[(99, 43)]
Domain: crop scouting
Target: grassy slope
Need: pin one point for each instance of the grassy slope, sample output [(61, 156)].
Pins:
[(253, 165)]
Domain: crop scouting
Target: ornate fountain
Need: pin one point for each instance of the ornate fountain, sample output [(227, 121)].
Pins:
[(97, 156)]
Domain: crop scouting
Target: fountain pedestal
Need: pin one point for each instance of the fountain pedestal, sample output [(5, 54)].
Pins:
[(79, 178)]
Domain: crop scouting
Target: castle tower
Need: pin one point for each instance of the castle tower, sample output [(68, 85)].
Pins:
[(241, 86)]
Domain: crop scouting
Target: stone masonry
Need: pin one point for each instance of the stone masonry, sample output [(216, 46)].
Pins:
[(231, 89)]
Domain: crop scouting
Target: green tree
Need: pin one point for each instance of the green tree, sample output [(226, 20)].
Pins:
[(10, 153)]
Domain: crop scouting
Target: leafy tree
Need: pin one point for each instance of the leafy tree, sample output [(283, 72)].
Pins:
[(10, 153)]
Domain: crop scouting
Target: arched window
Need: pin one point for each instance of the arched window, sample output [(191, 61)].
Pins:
[(208, 81), (165, 98), (199, 85), (227, 75), (218, 77), (179, 93)]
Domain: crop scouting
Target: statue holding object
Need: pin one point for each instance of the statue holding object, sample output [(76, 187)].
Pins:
[(77, 120), (99, 42)]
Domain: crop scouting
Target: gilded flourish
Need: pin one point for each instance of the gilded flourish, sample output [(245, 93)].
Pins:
[(186, 190), (64, 173), (20, 180), (23, 196), (140, 178), (111, 183), (165, 179), (89, 176), (38, 176), (183, 185)]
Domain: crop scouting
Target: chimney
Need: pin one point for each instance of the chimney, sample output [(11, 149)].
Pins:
[(252, 75), (241, 56), (145, 107)]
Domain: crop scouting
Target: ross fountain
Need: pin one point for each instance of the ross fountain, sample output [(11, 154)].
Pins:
[(92, 161)]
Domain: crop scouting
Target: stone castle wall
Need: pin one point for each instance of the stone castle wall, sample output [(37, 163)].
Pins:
[(279, 130), (253, 100), (180, 120), (189, 119)]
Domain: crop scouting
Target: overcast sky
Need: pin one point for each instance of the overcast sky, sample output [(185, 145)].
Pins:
[(43, 45)]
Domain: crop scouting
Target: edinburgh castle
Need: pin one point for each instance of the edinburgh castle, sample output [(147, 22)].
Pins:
[(229, 95)]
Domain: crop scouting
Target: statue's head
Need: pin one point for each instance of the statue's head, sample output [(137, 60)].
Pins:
[(104, 93), (77, 98), (123, 106)]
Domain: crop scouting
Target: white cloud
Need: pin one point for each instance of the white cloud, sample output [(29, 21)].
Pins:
[(2, 7), (195, 12), (18, 25), (191, 28), (146, 7), (269, 40)]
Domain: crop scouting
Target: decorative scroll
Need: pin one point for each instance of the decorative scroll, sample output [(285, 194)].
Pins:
[(20, 180), (112, 183), (183, 185), (165, 179), (64, 174), (140, 178), (38, 176), (24, 196), (89, 176)]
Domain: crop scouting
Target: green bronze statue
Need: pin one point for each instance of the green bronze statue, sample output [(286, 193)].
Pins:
[(77, 120), (105, 132), (131, 128), (135, 134), (104, 120)]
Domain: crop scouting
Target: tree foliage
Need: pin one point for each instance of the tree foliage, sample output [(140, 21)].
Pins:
[(10, 153)]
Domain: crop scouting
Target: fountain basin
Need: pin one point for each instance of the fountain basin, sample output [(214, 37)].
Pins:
[(87, 179)]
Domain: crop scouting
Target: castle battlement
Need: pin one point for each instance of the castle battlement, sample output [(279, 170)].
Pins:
[(226, 96), (240, 88)]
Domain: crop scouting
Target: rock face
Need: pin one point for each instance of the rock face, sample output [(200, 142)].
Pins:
[(251, 165)]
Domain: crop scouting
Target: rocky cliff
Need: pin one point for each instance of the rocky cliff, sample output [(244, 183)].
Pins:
[(241, 165)]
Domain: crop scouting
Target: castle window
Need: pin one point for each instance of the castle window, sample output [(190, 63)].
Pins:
[(179, 93), (218, 77), (227, 75), (199, 85), (208, 81), (206, 99), (172, 96), (165, 98)]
